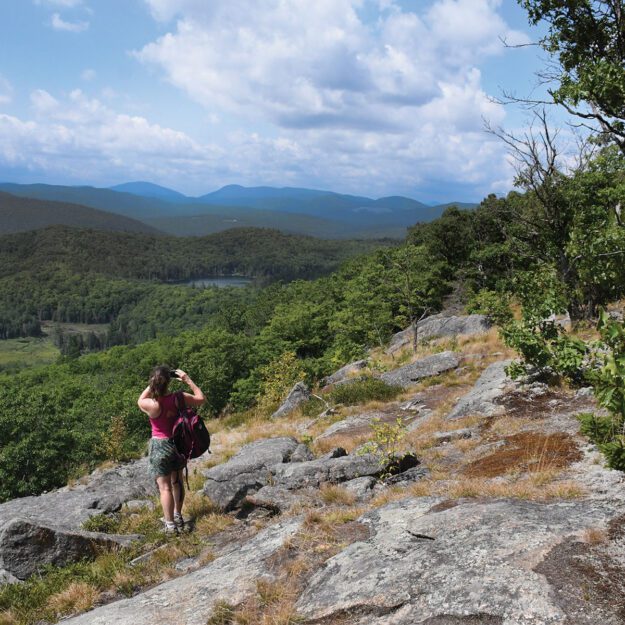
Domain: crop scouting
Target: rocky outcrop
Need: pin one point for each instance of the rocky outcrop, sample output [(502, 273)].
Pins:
[(246, 472), (438, 325), (101, 492), (422, 368), (297, 395), (46, 529), (25, 546), (345, 372), (353, 425), (481, 399), (334, 470), (189, 600), (470, 562), (263, 470), (275, 498)]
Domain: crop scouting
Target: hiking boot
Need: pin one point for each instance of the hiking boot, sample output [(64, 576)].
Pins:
[(170, 529), (182, 524)]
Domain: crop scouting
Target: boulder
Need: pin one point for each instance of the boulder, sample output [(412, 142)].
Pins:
[(407, 477), (135, 505), (247, 471), (302, 453), (273, 498), (297, 395), (190, 599), (101, 492), (25, 546), (361, 487), (334, 470), (471, 562), (439, 325), (346, 372), (422, 368), (481, 399), (47, 528)]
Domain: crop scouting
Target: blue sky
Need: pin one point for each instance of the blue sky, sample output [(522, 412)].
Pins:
[(373, 97)]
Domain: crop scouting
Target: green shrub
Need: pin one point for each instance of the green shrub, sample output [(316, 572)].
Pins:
[(109, 524), (362, 391), (312, 407)]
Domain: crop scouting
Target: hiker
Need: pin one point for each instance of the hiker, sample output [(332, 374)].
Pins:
[(165, 464)]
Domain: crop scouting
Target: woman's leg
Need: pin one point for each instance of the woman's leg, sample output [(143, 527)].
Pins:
[(177, 485), (167, 499)]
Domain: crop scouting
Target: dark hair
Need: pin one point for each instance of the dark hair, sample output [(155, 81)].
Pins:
[(159, 380)]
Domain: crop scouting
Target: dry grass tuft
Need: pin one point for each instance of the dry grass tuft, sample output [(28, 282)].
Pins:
[(212, 523), (334, 494), (8, 617), (197, 505), (77, 597), (595, 536), (519, 489), (126, 582)]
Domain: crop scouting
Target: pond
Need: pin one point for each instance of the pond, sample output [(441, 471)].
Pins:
[(218, 281)]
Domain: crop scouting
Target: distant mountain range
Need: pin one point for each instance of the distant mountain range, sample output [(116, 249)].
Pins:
[(293, 210), (20, 214)]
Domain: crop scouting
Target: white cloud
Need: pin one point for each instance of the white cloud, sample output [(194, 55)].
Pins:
[(58, 23), (322, 77), (6, 90), (302, 93), (42, 102), (81, 138)]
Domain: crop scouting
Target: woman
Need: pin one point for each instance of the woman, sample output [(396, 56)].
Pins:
[(164, 462)]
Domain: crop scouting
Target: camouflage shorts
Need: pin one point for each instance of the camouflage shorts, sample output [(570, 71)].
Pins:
[(163, 457)]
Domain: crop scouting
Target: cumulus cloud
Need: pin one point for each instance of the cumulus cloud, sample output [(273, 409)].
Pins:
[(304, 93), (324, 77), (314, 64), (58, 23), (80, 138)]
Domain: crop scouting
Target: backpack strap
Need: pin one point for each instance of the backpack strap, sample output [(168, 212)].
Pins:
[(180, 402)]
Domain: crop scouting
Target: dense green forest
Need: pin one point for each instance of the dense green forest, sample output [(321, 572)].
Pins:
[(64, 274)]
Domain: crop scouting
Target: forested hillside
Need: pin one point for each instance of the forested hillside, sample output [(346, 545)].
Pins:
[(19, 214), (66, 275)]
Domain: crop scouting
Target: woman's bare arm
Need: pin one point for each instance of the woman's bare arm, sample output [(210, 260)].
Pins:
[(197, 398), (146, 403)]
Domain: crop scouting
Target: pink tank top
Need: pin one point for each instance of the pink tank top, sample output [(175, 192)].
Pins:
[(163, 425)]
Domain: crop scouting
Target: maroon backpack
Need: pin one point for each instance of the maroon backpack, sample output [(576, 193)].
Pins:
[(190, 434)]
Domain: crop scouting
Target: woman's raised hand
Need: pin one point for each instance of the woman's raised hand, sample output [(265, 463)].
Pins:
[(182, 376)]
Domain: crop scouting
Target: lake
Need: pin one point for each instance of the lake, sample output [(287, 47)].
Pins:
[(219, 282)]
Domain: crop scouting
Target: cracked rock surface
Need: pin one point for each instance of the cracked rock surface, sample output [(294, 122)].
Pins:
[(426, 367), (482, 398), (189, 600), (473, 562), (440, 325)]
